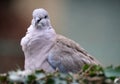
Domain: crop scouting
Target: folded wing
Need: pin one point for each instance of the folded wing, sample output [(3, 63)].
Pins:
[(68, 56)]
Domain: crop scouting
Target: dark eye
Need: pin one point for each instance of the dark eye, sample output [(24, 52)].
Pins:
[(46, 16)]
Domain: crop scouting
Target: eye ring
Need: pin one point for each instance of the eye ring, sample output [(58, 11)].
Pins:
[(46, 16)]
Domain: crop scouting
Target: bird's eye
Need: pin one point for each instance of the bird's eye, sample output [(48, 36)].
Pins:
[(46, 16)]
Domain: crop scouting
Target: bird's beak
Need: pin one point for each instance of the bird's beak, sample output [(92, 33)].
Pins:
[(37, 20)]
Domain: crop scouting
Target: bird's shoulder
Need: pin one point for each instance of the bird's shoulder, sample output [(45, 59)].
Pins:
[(62, 40), (75, 48)]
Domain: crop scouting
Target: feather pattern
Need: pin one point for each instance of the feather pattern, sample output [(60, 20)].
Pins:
[(68, 56)]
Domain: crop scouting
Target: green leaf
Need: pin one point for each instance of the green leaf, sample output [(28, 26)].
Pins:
[(3, 77), (39, 71), (112, 72), (50, 81), (31, 78), (85, 67)]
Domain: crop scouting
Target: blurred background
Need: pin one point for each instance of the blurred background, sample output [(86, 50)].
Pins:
[(94, 24)]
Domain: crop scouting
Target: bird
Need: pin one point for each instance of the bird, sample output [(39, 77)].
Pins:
[(45, 49)]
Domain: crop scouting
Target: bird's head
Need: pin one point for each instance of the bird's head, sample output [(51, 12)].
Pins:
[(40, 18)]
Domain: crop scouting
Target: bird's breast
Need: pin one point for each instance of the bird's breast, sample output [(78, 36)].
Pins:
[(25, 40)]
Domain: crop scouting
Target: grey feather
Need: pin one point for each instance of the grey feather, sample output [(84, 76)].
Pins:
[(68, 56)]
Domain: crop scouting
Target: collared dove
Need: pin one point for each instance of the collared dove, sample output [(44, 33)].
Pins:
[(44, 49)]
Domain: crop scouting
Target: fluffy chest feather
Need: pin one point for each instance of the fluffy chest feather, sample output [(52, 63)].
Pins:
[(40, 37), (36, 45)]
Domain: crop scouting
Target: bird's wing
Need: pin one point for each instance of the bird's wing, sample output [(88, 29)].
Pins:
[(68, 56)]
